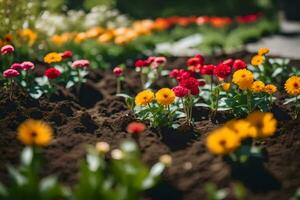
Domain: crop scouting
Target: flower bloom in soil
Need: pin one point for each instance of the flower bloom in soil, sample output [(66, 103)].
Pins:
[(265, 124), (243, 78), (10, 73), (102, 147), (222, 141), (7, 49), (257, 60), (239, 64), (257, 86), (144, 98), (180, 91), (270, 89), (27, 65), (292, 86), (66, 54), (52, 58), (52, 73), (165, 96), (80, 64), (192, 84), (263, 51), (35, 132), (207, 69), (222, 71), (136, 127), (118, 71), (16, 66), (226, 86), (242, 128)]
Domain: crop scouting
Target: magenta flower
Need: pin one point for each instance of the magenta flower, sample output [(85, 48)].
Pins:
[(7, 49), (10, 73), (180, 91), (16, 66), (118, 71), (27, 65), (80, 64)]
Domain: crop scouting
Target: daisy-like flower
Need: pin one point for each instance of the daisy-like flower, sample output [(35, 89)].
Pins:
[(257, 60), (52, 73), (165, 96), (243, 78), (10, 73), (242, 128), (270, 89), (144, 98), (78, 64), (7, 49), (35, 132), (292, 86), (265, 124), (257, 86), (180, 91), (263, 51), (226, 86), (136, 127), (52, 57)]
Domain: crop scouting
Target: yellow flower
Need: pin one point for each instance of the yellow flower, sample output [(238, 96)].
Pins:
[(263, 51), (292, 86), (106, 37), (143, 98), (165, 96), (35, 132), (243, 78), (257, 60), (52, 58), (226, 86), (242, 128), (257, 86), (265, 124), (270, 89), (29, 35), (222, 141)]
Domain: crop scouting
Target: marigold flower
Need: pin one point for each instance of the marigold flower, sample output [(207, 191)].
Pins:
[(239, 64), (118, 71), (222, 71), (143, 98), (270, 89), (180, 91), (242, 128), (66, 54), (226, 86), (10, 73), (257, 86), (207, 69), (80, 64), (27, 65), (243, 78), (292, 86), (263, 51), (257, 60), (222, 141), (265, 124), (35, 132), (136, 127), (52, 57), (7, 49), (52, 73), (16, 66), (165, 96)]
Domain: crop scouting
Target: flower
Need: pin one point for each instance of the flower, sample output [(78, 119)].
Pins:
[(257, 86), (136, 127), (143, 98), (189, 83), (27, 65), (102, 147), (166, 159), (10, 73), (242, 128), (196, 60), (292, 86), (52, 58), (66, 54), (165, 96), (222, 141), (140, 63), (265, 124), (118, 71), (239, 64), (257, 60), (180, 91), (16, 66), (226, 86), (263, 51), (229, 62), (52, 73), (207, 69), (80, 64), (270, 89), (243, 78), (156, 61), (179, 74), (222, 70), (117, 154), (7, 49), (35, 132)]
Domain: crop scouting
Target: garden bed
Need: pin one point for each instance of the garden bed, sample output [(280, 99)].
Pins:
[(95, 114)]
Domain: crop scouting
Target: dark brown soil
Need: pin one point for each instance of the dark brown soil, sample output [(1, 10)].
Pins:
[(97, 115)]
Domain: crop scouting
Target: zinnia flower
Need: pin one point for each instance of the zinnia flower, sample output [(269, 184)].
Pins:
[(180, 91), (10, 73), (228, 62), (265, 124), (118, 71), (7, 49), (222, 71), (239, 64), (52, 73), (66, 54), (35, 132), (52, 58), (243, 78), (16, 66), (140, 63), (270, 89), (257, 86), (292, 86), (196, 60), (207, 69), (27, 65), (242, 128), (165, 96), (257, 60), (263, 51), (144, 98), (80, 64), (226, 86), (136, 127)]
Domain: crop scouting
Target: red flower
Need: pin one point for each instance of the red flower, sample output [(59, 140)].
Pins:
[(141, 63), (192, 84), (10, 73), (228, 62), (52, 73), (195, 68), (174, 73), (207, 69), (16, 66), (180, 91), (196, 60), (7, 49), (239, 64), (201, 83), (118, 71), (195, 91), (27, 65), (180, 74), (66, 54), (222, 71), (136, 127)]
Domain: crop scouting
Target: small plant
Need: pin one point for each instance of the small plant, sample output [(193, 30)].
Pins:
[(118, 72)]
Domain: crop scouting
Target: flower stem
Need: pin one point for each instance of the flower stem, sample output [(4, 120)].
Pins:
[(11, 89), (118, 86), (249, 101), (142, 79)]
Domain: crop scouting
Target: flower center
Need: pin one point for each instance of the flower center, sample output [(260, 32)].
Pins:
[(296, 85), (222, 142), (33, 134), (166, 96)]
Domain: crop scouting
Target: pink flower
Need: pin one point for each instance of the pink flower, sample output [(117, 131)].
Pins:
[(27, 65), (157, 61), (16, 66), (7, 49), (118, 71), (66, 54), (52, 73), (10, 73), (239, 64), (180, 91), (80, 64), (208, 69), (228, 62), (222, 71)]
